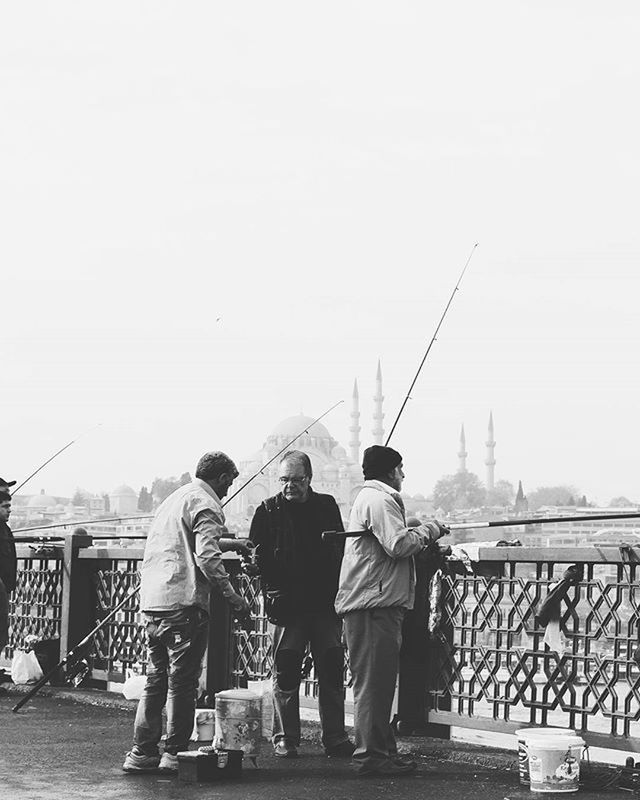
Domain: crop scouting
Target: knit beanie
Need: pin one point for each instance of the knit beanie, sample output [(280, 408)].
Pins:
[(378, 460)]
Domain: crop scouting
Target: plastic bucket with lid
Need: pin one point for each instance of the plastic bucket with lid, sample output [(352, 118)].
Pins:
[(523, 754), (554, 762), (238, 715)]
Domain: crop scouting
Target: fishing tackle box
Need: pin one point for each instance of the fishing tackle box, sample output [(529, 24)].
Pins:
[(208, 764)]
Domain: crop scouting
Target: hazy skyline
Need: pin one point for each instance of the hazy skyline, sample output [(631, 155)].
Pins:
[(216, 216)]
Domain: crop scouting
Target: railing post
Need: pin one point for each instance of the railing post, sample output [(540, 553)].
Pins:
[(77, 613), (220, 650)]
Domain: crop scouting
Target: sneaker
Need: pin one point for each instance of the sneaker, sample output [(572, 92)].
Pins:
[(388, 769), (283, 749), (139, 762), (168, 763), (397, 759), (342, 750)]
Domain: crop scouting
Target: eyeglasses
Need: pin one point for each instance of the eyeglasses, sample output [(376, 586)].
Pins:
[(295, 481)]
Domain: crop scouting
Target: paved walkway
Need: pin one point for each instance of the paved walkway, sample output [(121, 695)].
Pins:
[(57, 748)]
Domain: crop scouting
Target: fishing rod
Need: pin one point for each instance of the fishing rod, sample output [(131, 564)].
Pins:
[(75, 651), (433, 338), (49, 460), (82, 522), (500, 523), (149, 516)]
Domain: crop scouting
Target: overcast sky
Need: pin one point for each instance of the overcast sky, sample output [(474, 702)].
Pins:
[(216, 215)]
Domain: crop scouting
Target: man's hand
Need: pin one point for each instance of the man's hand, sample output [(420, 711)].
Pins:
[(244, 547), (443, 530), (241, 610)]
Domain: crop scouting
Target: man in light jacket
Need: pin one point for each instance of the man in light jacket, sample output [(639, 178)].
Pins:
[(182, 560), (377, 586)]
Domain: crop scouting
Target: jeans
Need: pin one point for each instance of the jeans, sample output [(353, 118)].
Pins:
[(323, 630), (176, 642)]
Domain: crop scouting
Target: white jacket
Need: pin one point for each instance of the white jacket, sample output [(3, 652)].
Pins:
[(182, 557), (378, 570)]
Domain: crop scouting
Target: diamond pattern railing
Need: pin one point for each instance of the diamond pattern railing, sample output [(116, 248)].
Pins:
[(35, 607), (492, 663), (489, 665), (121, 644)]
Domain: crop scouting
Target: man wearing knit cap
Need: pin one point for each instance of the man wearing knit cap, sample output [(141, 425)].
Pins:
[(377, 586)]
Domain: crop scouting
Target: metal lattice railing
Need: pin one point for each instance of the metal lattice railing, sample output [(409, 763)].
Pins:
[(121, 644), (492, 664), (35, 607), (489, 666)]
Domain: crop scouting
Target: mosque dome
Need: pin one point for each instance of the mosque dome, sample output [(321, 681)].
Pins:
[(293, 426)]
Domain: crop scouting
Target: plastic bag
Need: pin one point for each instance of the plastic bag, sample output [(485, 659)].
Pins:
[(25, 667), (132, 688), (265, 690)]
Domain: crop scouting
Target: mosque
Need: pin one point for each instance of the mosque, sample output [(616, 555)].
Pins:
[(336, 471)]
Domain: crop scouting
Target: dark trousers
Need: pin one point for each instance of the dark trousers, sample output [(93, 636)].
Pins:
[(176, 643), (4, 617), (323, 631)]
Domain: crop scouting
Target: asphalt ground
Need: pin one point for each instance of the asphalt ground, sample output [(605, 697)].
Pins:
[(70, 745)]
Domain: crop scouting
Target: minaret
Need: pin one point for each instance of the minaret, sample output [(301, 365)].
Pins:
[(490, 462), (462, 453), (378, 416), (354, 428)]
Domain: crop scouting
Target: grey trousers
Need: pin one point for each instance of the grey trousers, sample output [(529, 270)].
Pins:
[(323, 631), (373, 638)]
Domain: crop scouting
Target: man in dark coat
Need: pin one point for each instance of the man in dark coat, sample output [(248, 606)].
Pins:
[(8, 563), (299, 574)]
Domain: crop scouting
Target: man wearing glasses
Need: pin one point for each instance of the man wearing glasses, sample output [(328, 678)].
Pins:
[(299, 574)]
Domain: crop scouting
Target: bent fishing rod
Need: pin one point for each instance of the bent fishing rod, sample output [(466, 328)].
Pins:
[(75, 651), (433, 338), (498, 523), (49, 460), (76, 523)]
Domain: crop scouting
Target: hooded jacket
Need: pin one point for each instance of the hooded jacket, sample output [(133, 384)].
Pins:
[(377, 569)]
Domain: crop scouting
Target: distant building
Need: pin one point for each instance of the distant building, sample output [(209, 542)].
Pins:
[(123, 500)]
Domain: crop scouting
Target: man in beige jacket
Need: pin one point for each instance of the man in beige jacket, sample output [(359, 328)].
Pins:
[(377, 586)]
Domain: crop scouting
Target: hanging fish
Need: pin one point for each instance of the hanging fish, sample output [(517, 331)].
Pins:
[(435, 602)]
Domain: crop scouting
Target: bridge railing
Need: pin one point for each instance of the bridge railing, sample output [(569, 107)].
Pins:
[(488, 666)]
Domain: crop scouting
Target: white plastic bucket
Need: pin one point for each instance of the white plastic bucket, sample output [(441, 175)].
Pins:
[(523, 753), (238, 716), (203, 723), (554, 762)]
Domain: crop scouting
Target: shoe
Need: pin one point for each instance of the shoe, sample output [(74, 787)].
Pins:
[(404, 760), (139, 762), (388, 769), (342, 750), (168, 763), (282, 749)]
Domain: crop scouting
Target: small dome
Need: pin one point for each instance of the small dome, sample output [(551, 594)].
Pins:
[(293, 426), (339, 453), (123, 491), (330, 471)]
